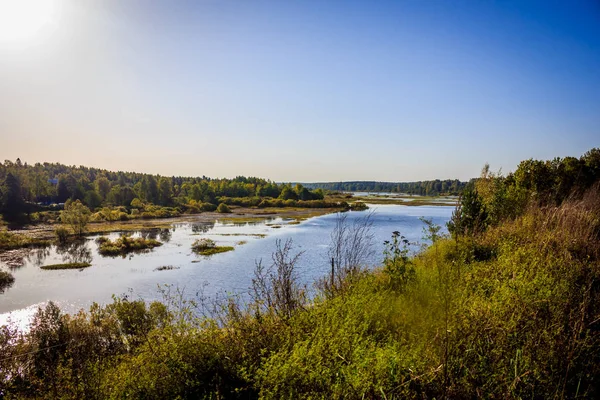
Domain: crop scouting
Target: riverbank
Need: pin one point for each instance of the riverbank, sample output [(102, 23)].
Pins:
[(42, 233)]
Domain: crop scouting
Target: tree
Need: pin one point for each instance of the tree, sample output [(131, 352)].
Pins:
[(102, 187), (470, 215), (76, 215), (92, 199), (164, 191), (13, 203)]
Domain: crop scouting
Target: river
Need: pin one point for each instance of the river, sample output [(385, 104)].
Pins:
[(137, 275)]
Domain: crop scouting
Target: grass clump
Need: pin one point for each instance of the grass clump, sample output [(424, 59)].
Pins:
[(208, 247), (124, 245), (75, 265), (9, 241)]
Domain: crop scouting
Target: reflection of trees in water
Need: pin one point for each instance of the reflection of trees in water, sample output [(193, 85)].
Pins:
[(37, 256), (6, 283), (15, 259), (75, 252), (150, 233), (202, 227), (165, 235)]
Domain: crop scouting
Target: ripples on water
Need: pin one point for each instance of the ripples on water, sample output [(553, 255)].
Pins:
[(232, 272)]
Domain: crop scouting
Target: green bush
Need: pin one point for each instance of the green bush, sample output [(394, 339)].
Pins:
[(62, 234), (223, 208), (124, 245)]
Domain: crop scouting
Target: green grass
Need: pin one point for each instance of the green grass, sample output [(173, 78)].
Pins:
[(9, 241), (509, 313), (125, 245), (66, 266), (214, 250)]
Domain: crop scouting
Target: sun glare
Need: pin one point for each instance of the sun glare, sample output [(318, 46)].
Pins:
[(23, 20)]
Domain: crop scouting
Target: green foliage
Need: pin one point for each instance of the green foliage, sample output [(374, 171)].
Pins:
[(74, 265), (397, 263), (62, 234), (507, 312), (12, 203), (470, 216), (358, 206), (10, 241), (223, 208), (76, 215), (421, 188), (208, 247), (125, 245)]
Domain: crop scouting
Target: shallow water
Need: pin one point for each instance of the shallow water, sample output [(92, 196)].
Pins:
[(231, 272)]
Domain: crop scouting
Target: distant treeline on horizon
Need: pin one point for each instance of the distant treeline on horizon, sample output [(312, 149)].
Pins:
[(423, 188)]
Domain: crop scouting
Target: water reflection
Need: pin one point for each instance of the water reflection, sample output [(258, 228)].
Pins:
[(165, 235), (230, 272), (202, 227), (75, 252), (37, 256)]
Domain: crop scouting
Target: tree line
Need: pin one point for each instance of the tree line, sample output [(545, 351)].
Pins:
[(422, 188), (23, 186), (494, 197)]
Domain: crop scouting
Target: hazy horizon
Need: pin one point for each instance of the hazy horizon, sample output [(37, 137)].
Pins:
[(299, 91)]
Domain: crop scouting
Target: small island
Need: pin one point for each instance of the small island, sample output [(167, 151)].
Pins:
[(208, 247), (124, 245), (75, 265)]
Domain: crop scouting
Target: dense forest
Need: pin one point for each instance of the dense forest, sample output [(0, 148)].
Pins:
[(506, 306), (422, 188), (24, 188)]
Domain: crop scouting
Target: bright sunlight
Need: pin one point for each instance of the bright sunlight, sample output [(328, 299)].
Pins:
[(23, 20)]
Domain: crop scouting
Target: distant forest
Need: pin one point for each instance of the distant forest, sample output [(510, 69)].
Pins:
[(24, 185), (422, 188)]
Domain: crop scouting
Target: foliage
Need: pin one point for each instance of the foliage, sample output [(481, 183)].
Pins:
[(125, 244), (207, 247), (24, 186), (510, 312), (358, 206), (470, 216), (9, 240), (62, 234), (76, 215), (493, 198), (421, 188), (74, 265), (223, 208), (396, 261), (12, 202)]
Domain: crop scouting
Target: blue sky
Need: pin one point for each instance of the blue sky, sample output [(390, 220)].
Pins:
[(304, 90)]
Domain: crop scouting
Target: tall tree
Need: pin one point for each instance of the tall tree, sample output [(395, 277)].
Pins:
[(13, 203)]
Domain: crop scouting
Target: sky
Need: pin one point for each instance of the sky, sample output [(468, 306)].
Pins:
[(306, 90)]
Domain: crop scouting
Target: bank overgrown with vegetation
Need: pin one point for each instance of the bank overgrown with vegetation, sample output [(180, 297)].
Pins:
[(508, 306)]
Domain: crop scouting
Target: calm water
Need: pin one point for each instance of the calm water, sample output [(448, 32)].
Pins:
[(230, 272)]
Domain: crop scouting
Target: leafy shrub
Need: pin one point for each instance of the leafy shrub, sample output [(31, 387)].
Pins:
[(207, 247), (223, 208), (125, 244), (62, 234)]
